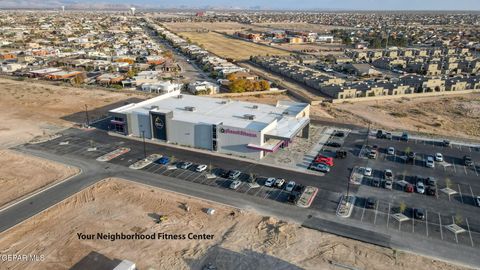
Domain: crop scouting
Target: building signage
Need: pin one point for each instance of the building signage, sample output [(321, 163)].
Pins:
[(238, 132)]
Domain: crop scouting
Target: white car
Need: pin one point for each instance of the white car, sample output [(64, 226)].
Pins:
[(186, 165), (420, 187), (279, 182), (438, 157), (235, 184), (391, 151), (430, 162), (201, 168), (367, 171), (270, 181), (290, 185)]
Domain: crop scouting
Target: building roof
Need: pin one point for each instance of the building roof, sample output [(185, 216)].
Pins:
[(215, 111)]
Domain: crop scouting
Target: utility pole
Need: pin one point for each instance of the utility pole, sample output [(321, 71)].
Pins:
[(144, 146), (86, 114), (388, 36)]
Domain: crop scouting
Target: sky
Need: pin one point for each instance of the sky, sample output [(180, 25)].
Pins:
[(470, 5)]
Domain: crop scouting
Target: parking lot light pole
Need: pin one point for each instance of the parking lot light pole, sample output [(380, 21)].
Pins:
[(144, 146)]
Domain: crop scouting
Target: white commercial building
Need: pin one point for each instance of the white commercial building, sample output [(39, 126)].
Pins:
[(231, 127)]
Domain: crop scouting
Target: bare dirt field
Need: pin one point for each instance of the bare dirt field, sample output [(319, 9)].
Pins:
[(22, 174), (227, 47), (318, 28), (227, 27), (31, 108), (456, 116), (241, 240)]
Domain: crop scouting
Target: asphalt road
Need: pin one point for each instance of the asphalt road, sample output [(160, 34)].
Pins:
[(364, 225)]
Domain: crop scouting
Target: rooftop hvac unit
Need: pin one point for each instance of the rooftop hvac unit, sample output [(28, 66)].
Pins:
[(190, 108), (249, 116)]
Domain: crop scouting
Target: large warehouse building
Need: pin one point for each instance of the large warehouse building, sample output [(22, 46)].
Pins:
[(221, 125)]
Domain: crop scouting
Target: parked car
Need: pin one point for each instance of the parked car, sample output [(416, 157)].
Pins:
[(341, 154), (333, 144), (320, 167), (431, 181), (339, 134), (371, 203), (430, 162), (270, 182), (439, 157), (391, 151), (235, 184), (388, 174), (185, 165), (409, 188), (467, 161), (221, 172), (446, 143), (290, 185), (388, 184), (404, 137), (372, 154), (420, 187), (411, 156), (419, 213), (201, 168), (292, 198), (234, 174), (379, 134), (431, 191), (388, 136), (367, 171), (163, 160), (376, 182), (279, 182), (326, 160)]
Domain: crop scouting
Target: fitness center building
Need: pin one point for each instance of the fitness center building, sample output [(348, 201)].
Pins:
[(231, 127)]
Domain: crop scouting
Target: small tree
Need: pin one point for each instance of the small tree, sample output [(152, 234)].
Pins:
[(402, 207), (458, 219), (408, 150), (448, 182), (172, 159)]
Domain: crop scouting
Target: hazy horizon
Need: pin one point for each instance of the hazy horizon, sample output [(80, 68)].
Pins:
[(390, 5)]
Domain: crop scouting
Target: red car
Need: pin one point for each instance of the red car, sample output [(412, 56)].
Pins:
[(326, 160), (409, 188)]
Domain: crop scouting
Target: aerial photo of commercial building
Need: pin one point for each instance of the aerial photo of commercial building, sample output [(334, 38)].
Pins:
[(221, 125)]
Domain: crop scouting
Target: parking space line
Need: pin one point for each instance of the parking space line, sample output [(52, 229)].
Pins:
[(267, 194), (278, 195), (440, 221), (375, 217), (469, 232), (471, 192), (465, 169), (460, 192), (261, 187), (426, 221), (193, 180), (388, 214), (454, 167), (456, 237), (363, 212), (475, 169)]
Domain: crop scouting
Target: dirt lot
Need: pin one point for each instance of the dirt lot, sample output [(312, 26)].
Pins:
[(456, 116), (31, 108), (227, 27), (241, 240), (318, 28), (21, 174), (227, 47)]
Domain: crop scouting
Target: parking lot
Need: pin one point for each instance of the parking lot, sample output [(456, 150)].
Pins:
[(75, 143), (441, 209)]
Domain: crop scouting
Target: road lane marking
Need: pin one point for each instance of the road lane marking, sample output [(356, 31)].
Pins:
[(375, 217), (456, 237)]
